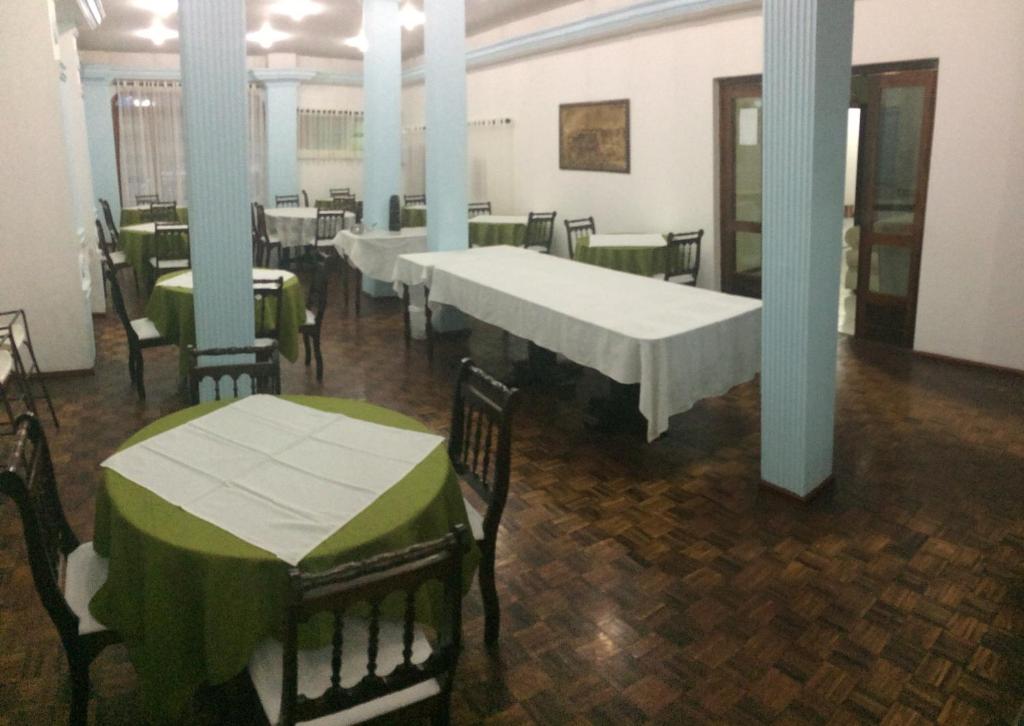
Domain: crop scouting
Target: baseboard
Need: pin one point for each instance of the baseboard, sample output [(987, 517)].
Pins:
[(816, 492), (970, 363), (76, 373)]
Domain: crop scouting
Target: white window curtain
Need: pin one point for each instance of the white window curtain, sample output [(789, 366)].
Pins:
[(326, 135), (151, 141)]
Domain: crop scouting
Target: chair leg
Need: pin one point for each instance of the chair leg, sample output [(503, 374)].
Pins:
[(79, 715), (443, 715), (7, 406), (405, 315), (489, 592), (139, 380), (305, 343), (319, 357), (359, 291)]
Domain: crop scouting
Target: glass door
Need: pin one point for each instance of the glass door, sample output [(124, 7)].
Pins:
[(740, 185)]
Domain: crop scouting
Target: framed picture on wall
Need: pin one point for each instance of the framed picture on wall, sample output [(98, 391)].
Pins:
[(594, 136)]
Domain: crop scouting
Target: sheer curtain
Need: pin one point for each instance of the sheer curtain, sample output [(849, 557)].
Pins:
[(151, 141), (414, 160)]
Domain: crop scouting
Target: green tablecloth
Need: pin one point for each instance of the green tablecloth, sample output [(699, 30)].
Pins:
[(133, 215), (137, 243), (645, 261), (414, 217), (486, 234), (192, 601), (170, 309)]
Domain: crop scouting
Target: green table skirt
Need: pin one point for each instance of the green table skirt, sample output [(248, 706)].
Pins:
[(645, 261), (486, 235), (138, 216), (171, 310), (139, 246), (414, 217), (192, 601)]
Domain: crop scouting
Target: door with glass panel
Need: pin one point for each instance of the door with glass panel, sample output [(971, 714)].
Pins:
[(740, 190), (894, 162)]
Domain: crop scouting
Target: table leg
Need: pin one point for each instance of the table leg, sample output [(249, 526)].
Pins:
[(405, 315)]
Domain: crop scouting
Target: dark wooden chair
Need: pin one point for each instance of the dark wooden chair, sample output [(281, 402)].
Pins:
[(163, 212), (682, 258), (480, 446), (411, 199), (66, 572), (112, 227), (18, 363), (374, 668), (332, 203), (239, 372), (286, 200), (141, 333), (144, 199), (478, 208), (328, 223), (340, 192), (316, 307), (268, 298), (267, 244), (168, 240), (540, 231), (305, 198), (116, 259), (576, 228)]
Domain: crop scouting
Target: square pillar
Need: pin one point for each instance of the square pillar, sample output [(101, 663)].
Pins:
[(382, 92)]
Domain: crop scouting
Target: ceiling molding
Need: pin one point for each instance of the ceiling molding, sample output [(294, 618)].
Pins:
[(277, 75)]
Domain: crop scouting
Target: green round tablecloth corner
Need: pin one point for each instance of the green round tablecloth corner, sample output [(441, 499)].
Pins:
[(130, 216), (191, 601), (171, 310), (645, 261), (487, 234), (138, 247)]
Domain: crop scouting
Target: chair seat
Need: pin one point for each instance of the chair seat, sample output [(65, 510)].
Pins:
[(265, 670), (84, 574), (538, 248), (119, 259), (145, 329), (476, 521), (310, 317), (168, 264), (686, 279), (264, 342), (6, 365)]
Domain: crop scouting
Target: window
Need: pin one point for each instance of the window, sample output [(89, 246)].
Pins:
[(327, 134)]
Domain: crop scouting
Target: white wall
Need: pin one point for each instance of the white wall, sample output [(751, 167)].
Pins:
[(971, 300), (39, 244)]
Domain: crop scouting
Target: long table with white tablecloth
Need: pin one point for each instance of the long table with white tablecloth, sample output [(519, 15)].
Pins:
[(680, 343)]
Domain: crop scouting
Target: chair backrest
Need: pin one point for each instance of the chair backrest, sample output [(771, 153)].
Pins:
[(347, 204), (119, 307), (576, 228), (267, 297), (478, 208), (104, 245), (305, 198), (316, 298), (108, 217), (259, 371), (328, 223), (340, 192), (144, 199), (253, 222), (286, 200), (540, 230), (480, 439), (415, 199), (683, 255), (332, 203), (170, 242), (341, 590), (163, 212), (28, 478)]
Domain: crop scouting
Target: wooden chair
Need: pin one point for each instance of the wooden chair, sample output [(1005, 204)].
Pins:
[(286, 200), (66, 572), (480, 445), (163, 212), (411, 199), (576, 228), (328, 223), (116, 259), (305, 198), (141, 333), (260, 372), (332, 203), (18, 362), (144, 199), (112, 228), (478, 208), (168, 238), (340, 192), (540, 231), (316, 307), (268, 244), (682, 258), (374, 667)]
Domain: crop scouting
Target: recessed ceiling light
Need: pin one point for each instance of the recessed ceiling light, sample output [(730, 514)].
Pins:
[(157, 32), (411, 17), (266, 36), (160, 8), (358, 42), (296, 9)]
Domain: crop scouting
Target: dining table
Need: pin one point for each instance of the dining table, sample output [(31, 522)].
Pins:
[(486, 230), (139, 213), (137, 241), (192, 599), (640, 254), (296, 226), (170, 307)]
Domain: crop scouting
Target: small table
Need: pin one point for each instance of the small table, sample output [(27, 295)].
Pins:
[(296, 226), (374, 253), (414, 215), (493, 229), (641, 254), (140, 213), (170, 307), (192, 601), (137, 243)]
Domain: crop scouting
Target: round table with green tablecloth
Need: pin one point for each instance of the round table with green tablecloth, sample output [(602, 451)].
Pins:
[(635, 258), (170, 307), (137, 241), (192, 601), (493, 229), (140, 213), (414, 215)]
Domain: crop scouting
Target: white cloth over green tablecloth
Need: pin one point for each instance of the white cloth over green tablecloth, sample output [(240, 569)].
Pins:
[(375, 252)]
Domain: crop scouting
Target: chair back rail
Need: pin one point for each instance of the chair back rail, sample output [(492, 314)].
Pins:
[(478, 208), (286, 200), (167, 240), (340, 192), (328, 223), (108, 217), (305, 198), (415, 199), (683, 255), (540, 230), (263, 374), (144, 199), (576, 228), (163, 212)]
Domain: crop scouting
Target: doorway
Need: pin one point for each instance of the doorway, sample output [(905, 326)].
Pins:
[(892, 109)]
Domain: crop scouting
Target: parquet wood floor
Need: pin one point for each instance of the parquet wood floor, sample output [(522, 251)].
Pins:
[(653, 583)]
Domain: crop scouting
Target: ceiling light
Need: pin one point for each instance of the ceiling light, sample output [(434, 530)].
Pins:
[(92, 11), (157, 32), (160, 8), (296, 9), (358, 42), (266, 36), (410, 17)]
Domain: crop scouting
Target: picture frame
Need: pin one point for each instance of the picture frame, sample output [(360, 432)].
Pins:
[(594, 136)]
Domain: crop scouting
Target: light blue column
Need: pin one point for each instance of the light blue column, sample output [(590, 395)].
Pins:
[(806, 96), (99, 125), (214, 82), (282, 129), (445, 61)]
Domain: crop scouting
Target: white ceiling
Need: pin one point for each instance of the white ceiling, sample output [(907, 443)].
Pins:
[(319, 35)]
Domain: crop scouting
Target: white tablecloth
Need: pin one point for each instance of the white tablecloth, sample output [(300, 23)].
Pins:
[(276, 474), (417, 269), (375, 252), (296, 226), (499, 219), (627, 240), (184, 279), (680, 343)]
